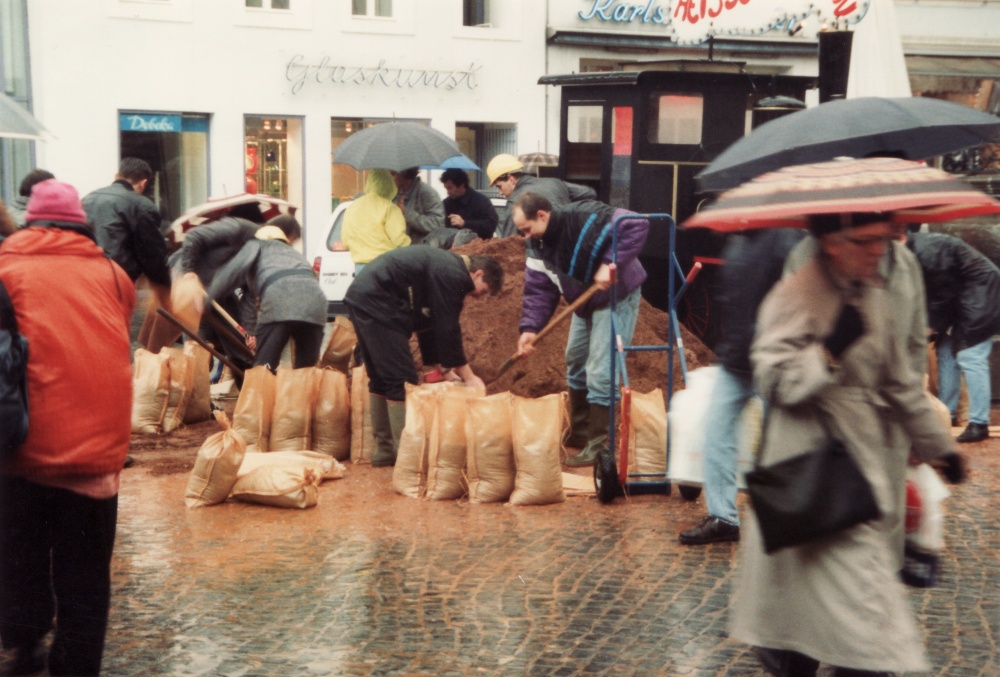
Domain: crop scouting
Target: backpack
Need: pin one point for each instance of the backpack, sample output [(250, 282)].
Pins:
[(13, 380)]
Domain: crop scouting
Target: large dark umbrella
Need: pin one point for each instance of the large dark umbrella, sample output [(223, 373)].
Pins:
[(914, 128), (396, 146), (217, 207), (905, 191), (16, 122)]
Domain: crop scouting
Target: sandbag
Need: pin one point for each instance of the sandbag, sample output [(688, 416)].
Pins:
[(186, 292), (181, 386), (490, 448), (687, 417), (446, 458), (647, 434), (279, 485), (327, 467), (216, 466), (295, 399), (156, 331), (362, 441), (537, 427), (150, 391), (331, 422), (941, 409), (409, 475), (252, 415), (199, 407), (340, 345)]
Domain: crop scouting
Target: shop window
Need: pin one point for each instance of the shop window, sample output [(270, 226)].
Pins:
[(269, 4), (676, 119), (274, 157), (475, 12), (176, 146), (371, 8)]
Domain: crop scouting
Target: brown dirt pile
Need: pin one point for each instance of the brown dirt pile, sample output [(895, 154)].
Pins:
[(489, 333)]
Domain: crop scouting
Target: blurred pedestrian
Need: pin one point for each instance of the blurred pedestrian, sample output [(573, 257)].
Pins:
[(421, 204), (753, 262), (568, 250), (963, 308), (373, 224), (413, 289), (59, 490), (18, 207), (827, 357), (507, 173), (291, 305)]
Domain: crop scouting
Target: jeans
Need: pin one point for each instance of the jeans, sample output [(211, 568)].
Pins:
[(588, 348), (730, 395), (974, 364)]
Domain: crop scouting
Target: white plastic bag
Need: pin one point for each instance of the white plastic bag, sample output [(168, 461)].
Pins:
[(688, 409)]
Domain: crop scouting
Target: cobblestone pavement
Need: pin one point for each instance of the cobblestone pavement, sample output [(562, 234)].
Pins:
[(372, 583)]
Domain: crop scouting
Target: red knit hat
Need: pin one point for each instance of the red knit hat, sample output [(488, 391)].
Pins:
[(54, 200)]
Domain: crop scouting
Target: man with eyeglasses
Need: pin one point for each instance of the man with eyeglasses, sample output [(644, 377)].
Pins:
[(507, 174)]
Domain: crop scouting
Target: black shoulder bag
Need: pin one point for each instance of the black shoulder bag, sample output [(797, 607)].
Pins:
[(13, 380), (809, 496)]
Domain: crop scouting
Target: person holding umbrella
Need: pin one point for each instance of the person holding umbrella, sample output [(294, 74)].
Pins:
[(373, 224), (421, 204), (831, 363)]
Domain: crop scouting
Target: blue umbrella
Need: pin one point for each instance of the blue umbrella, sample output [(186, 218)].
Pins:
[(459, 161)]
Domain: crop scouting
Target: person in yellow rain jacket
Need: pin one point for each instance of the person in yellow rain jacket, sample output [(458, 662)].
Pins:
[(373, 224)]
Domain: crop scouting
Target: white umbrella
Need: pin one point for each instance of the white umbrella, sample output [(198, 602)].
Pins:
[(16, 122), (878, 67)]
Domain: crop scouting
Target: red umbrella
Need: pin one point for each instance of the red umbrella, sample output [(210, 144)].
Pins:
[(216, 208), (907, 192)]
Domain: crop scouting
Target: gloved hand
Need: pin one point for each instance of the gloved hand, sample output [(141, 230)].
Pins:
[(848, 329), (952, 466)]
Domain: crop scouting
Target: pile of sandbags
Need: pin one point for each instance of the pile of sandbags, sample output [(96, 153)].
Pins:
[(286, 479), (459, 442), (170, 388)]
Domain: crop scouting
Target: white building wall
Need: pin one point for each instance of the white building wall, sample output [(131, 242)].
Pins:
[(91, 59)]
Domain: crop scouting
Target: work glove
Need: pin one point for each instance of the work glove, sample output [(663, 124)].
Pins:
[(952, 466), (849, 328)]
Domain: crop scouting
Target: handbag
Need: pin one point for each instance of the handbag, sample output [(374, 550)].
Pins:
[(809, 496), (13, 380)]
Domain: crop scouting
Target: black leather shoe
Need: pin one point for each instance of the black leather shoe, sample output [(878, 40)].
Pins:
[(974, 432), (29, 661), (129, 462), (710, 530)]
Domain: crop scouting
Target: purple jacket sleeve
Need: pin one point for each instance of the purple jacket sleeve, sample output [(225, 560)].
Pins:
[(541, 296), (631, 238)]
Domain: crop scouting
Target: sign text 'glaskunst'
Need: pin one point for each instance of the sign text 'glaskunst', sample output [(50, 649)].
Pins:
[(299, 73)]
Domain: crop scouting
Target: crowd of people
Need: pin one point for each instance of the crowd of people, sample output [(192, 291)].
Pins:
[(829, 327)]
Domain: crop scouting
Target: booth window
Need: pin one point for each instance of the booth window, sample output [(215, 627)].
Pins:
[(371, 8), (176, 146), (475, 12), (584, 137), (676, 118)]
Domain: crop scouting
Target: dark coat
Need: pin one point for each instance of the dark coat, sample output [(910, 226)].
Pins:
[(963, 288), (209, 247), (418, 289), (557, 191), (127, 227), (476, 210), (753, 264)]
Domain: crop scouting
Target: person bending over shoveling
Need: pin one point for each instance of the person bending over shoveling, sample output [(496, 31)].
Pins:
[(412, 289), (569, 250)]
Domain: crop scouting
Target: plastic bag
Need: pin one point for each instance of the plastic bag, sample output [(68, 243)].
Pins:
[(924, 537)]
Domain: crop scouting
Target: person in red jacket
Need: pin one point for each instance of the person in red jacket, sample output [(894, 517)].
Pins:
[(59, 489)]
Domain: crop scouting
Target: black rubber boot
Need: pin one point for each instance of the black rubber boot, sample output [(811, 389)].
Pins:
[(597, 437), (397, 420), (385, 452), (579, 415)]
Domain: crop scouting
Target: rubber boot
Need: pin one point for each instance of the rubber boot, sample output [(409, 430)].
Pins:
[(397, 420), (385, 451), (597, 437), (579, 414)]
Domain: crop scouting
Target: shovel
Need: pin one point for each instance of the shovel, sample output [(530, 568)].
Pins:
[(553, 323), (193, 334)]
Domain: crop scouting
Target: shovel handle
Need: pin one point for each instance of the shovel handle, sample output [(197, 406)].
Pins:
[(197, 339)]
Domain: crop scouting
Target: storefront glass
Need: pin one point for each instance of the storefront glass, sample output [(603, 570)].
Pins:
[(274, 157), (176, 146), (16, 155)]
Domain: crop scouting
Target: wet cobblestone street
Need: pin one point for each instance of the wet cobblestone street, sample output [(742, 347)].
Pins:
[(374, 583)]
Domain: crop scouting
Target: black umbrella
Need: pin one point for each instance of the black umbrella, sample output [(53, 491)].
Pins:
[(396, 146), (913, 128)]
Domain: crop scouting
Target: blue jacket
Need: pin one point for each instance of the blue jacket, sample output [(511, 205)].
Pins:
[(575, 244)]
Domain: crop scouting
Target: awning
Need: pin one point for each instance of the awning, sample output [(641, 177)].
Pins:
[(950, 73)]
